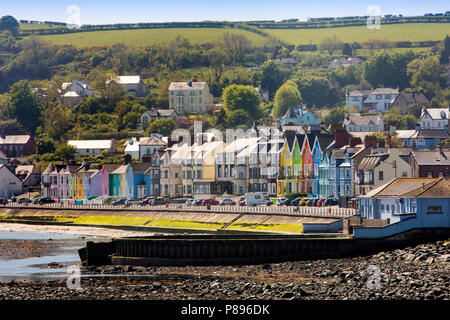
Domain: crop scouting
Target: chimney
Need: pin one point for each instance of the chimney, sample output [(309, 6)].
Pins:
[(341, 138), (370, 141), (355, 141)]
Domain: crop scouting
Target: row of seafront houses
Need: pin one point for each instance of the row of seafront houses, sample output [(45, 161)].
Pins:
[(277, 160)]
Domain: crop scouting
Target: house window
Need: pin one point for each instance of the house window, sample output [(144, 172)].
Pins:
[(441, 174), (382, 208), (404, 175), (429, 174), (380, 175), (434, 209)]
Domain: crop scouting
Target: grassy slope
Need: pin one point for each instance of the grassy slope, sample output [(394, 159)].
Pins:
[(146, 37), (395, 32)]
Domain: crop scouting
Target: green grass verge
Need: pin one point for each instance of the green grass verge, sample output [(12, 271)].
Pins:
[(157, 222)]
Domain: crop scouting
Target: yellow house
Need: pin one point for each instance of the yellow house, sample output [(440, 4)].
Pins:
[(284, 183)]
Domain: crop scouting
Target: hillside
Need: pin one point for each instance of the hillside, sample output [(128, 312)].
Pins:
[(395, 32)]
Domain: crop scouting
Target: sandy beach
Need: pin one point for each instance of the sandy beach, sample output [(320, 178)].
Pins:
[(74, 230)]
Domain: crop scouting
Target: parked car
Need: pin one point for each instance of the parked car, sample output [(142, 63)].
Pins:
[(321, 202), (315, 201), (303, 201), (118, 202), (242, 201), (198, 202), (285, 202), (46, 200), (310, 202), (296, 201), (331, 202), (227, 202), (36, 200), (158, 202), (210, 202), (190, 202), (145, 201), (23, 200), (3, 202)]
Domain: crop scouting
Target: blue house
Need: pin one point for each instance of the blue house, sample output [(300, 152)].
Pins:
[(138, 180), (406, 204), (423, 138), (300, 117), (324, 176)]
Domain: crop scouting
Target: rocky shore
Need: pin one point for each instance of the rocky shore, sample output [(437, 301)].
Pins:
[(421, 272)]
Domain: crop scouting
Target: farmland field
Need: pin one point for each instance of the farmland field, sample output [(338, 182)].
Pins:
[(28, 26), (393, 32), (146, 37)]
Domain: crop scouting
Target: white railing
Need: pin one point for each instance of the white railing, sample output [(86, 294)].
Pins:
[(314, 211)]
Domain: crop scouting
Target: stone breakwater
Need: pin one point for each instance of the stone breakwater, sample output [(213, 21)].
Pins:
[(420, 272)]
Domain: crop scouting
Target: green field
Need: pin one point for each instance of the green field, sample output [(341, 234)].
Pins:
[(146, 37), (393, 32), (27, 26)]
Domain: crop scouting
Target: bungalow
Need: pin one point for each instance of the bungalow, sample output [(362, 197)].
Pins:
[(406, 204), (9, 183), (147, 146)]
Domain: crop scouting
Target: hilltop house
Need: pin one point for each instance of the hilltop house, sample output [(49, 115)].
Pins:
[(434, 118), (132, 85), (74, 92), (378, 100), (155, 114), (352, 61), (91, 148), (17, 145), (406, 99), (360, 123), (189, 97), (301, 116), (147, 146)]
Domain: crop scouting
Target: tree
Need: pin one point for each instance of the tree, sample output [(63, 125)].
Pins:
[(57, 119), (242, 97), (65, 152), (336, 115), (9, 23), (238, 117), (424, 75), (317, 91), (288, 96), (161, 126), (237, 45), (347, 49), (45, 145), (410, 121), (23, 107), (445, 53), (330, 45), (271, 78), (392, 118)]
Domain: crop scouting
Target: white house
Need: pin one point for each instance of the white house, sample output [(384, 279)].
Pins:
[(148, 146), (434, 118), (74, 92), (378, 100), (9, 183), (132, 85), (360, 123), (91, 148)]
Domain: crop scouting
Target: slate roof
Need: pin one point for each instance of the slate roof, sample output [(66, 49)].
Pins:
[(152, 141), (399, 187), (14, 139), (360, 120), (432, 158), (413, 97), (185, 86), (431, 134)]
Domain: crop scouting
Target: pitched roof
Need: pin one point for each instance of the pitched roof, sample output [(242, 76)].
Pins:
[(290, 113), (439, 189), (126, 79), (185, 86), (413, 97), (140, 167), (91, 144), (399, 187), (436, 113), (432, 158), (14, 139), (431, 134), (359, 120), (152, 141)]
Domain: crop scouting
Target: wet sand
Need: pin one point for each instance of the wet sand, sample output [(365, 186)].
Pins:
[(72, 230)]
